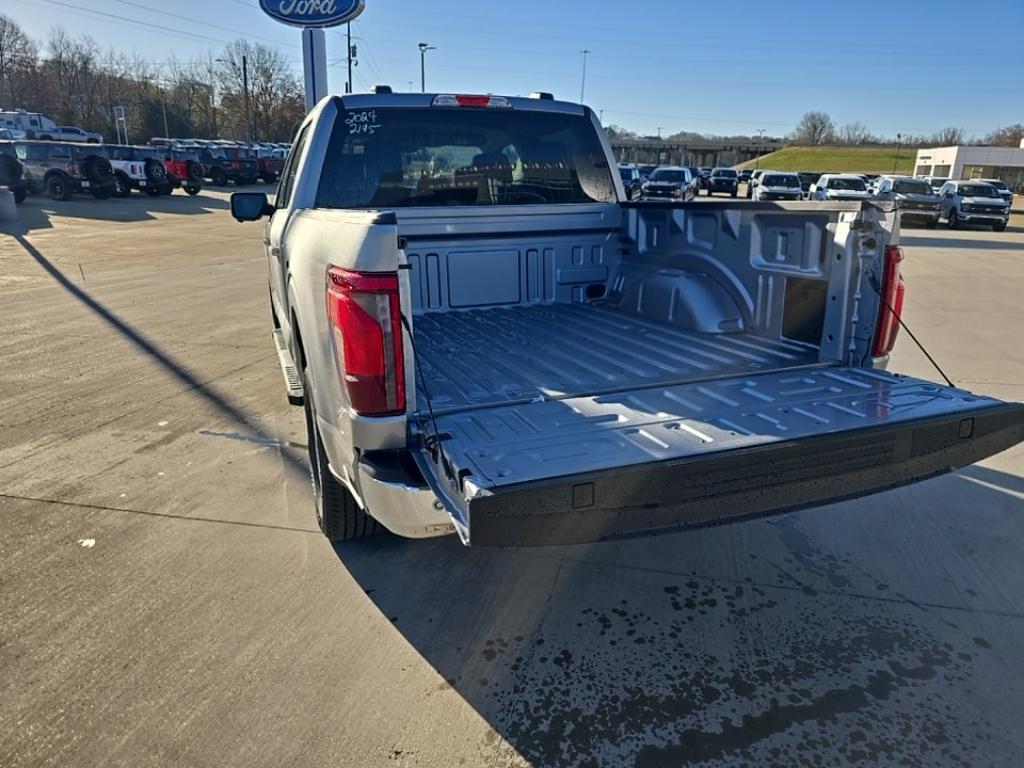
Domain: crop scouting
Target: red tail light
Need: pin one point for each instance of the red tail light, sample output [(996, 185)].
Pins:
[(366, 323), (892, 291)]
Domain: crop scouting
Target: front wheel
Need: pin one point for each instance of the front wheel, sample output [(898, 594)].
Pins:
[(190, 190), (121, 186), (337, 513), (953, 219)]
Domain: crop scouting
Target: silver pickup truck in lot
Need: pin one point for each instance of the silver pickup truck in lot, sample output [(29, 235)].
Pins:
[(488, 337)]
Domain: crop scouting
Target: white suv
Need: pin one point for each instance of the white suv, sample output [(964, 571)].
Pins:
[(973, 202)]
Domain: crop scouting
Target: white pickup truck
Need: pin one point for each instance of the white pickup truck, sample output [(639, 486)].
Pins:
[(488, 337)]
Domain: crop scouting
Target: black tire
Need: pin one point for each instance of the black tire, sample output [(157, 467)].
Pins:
[(97, 170), (155, 171), (194, 171), (337, 513), (218, 177), (121, 186), (999, 227), (102, 193), (20, 193), (191, 190), (59, 188), (953, 219)]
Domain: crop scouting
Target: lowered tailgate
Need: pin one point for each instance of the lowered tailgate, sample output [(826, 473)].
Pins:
[(585, 468)]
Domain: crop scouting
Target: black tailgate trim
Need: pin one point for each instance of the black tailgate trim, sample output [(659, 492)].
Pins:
[(739, 484)]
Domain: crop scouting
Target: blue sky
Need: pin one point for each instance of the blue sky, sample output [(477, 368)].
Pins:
[(714, 66)]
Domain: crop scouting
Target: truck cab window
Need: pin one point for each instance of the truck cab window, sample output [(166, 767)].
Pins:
[(457, 156)]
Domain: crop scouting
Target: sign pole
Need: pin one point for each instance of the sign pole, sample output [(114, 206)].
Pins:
[(314, 64)]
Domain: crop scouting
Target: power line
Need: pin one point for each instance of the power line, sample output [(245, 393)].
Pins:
[(193, 20)]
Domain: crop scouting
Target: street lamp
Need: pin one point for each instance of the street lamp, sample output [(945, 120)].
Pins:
[(583, 82), (760, 148), (896, 159), (424, 47)]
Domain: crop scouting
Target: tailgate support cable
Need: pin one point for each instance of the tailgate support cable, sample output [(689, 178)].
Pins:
[(432, 440), (873, 281)]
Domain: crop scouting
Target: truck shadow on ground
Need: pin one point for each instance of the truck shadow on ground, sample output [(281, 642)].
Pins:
[(830, 636), (189, 380), (37, 210)]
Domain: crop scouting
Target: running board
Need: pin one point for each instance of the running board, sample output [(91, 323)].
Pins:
[(292, 380)]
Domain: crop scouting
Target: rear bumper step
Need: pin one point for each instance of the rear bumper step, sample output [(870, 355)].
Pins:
[(738, 484)]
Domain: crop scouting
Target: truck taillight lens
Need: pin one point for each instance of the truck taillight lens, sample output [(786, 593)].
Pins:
[(892, 290), (366, 325)]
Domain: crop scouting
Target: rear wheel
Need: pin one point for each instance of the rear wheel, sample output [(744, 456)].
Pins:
[(190, 190), (953, 219), (58, 188), (337, 513)]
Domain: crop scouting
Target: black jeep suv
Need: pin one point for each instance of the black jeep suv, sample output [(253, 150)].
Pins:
[(12, 175), (63, 169)]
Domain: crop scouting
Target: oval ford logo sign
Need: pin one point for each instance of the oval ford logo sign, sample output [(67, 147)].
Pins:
[(313, 13)]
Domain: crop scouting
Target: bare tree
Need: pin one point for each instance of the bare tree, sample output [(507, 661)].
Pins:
[(854, 133), (276, 101), (814, 128), (18, 57), (1010, 136), (948, 137)]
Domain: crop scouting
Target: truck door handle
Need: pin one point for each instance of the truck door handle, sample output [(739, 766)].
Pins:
[(275, 252)]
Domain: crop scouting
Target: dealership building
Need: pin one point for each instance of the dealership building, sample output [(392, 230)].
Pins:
[(1004, 163)]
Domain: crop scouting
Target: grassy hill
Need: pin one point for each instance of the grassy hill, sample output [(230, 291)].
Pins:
[(838, 159)]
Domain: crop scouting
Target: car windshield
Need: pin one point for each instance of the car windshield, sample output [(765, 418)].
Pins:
[(852, 184), (911, 187), (780, 180), (809, 178), (997, 184), (457, 156), (979, 190), (725, 173), (671, 177), (937, 183)]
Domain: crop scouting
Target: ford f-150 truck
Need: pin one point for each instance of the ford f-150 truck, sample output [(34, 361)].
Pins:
[(488, 337)]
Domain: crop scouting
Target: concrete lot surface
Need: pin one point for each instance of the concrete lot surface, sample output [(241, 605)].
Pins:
[(165, 599)]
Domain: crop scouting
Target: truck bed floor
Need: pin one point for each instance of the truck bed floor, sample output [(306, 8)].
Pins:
[(493, 356)]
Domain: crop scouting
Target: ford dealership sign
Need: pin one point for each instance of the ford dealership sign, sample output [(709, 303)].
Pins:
[(313, 13)]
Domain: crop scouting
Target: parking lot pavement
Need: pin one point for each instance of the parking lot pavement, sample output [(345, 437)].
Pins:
[(166, 600)]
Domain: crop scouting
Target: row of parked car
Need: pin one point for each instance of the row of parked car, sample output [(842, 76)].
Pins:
[(677, 181), (925, 199), (62, 169)]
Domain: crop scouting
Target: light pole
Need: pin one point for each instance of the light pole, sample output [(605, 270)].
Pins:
[(760, 148), (424, 47), (583, 82), (351, 55), (896, 159)]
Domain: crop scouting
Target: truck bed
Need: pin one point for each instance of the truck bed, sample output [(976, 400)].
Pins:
[(523, 353)]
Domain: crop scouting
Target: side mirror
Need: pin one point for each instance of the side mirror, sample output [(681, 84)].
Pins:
[(250, 206)]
